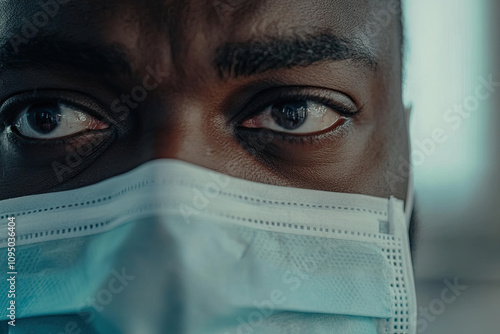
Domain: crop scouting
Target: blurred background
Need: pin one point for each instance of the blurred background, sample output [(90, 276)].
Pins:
[(452, 52)]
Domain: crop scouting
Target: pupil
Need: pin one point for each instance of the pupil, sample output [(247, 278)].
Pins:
[(290, 115), (44, 118)]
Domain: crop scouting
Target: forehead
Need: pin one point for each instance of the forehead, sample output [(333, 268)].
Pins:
[(187, 31)]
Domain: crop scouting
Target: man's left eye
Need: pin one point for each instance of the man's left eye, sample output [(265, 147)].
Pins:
[(298, 117), (51, 120)]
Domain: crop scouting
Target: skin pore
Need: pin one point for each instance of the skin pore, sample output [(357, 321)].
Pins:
[(191, 80)]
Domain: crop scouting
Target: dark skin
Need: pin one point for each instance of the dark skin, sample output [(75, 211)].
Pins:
[(198, 109)]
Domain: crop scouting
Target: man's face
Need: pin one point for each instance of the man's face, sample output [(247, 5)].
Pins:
[(286, 92)]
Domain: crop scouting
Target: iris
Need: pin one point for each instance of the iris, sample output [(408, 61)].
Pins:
[(44, 118), (290, 116)]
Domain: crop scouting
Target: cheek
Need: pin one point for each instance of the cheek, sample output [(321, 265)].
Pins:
[(35, 168), (394, 167), (399, 171)]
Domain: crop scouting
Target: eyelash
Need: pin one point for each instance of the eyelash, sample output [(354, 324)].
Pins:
[(298, 96)]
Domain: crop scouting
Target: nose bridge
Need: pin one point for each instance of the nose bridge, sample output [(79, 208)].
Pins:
[(186, 134)]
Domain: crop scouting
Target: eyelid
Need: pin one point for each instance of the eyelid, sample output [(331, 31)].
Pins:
[(327, 97)]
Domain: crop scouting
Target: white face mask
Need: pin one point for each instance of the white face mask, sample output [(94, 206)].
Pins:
[(175, 248)]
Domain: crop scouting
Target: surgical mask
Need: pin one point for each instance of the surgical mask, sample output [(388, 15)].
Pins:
[(171, 247)]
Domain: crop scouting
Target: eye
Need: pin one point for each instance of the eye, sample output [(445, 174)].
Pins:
[(50, 120), (304, 117)]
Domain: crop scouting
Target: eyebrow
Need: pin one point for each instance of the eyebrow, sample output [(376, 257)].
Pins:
[(54, 53), (232, 60), (256, 57)]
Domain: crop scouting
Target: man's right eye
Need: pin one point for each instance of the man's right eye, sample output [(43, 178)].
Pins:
[(50, 115), (52, 120)]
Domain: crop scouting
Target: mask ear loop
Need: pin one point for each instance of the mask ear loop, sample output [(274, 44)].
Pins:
[(409, 199), (410, 189)]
